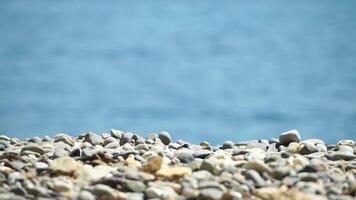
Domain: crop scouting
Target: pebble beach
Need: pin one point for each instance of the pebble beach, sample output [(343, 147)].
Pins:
[(123, 165)]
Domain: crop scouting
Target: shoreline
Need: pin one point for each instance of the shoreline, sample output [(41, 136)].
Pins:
[(123, 165)]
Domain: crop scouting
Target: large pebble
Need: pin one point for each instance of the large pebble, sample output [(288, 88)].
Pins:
[(288, 137), (165, 137)]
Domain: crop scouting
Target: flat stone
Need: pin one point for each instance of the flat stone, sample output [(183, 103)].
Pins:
[(41, 166), (165, 137), (160, 192), (33, 148), (64, 165), (255, 177), (62, 137), (134, 186), (203, 153), (138, 175), (210, 194), (340, 155), (174, 172), (288, 137), (259, 166), (104, 191)]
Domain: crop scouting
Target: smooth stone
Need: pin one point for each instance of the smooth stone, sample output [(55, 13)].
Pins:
[(340, 155), (137, 175), (62, 137), (280, 172), (165, 137), (105, 135), (232, 195), (350, 143), (41, 166), (345, 148), (46, 139), (153, 164), (255, 177), (85, 195), (33, 148), (228, 145), (202, 174), (101, 190), (109, 140), (116, 133), (308, 148), (259, 166), (210, 194), (211, 165), (261, 145), (112, 145), (125, 138), (318, 164), (185, 156), (35, 140), (64, 165), (135, 196), (4, 137), (203, 153), (175, 172), (18, 189), (76, 152), (93, 139), (288, 137), (58, 153), (160, 192), (134, 186)]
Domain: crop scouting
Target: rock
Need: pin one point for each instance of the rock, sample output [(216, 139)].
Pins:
[(85, 195), (103, 191), (153, 164), (41, 166), (58, 153), (185, 156), (35, 140), (288, 137), (76, 152), (255, 177), (228, 145), (160, 192), (211, 165), (202, 153), (259, 166), (125, 138), (65, 165), (93, 139), (210, 194), (308, 148), (134, 186), (116, 133), (112, 145), (350, 143), (340, 155), (62, 137), (232, 195), (4, 137), (165, 137), (33, 148), (139, 176), (173, 172)]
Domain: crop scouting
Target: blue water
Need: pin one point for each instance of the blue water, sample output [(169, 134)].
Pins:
[(202, 70)]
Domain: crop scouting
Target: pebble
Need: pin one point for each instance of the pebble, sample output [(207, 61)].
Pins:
[(288, 137), (123, 165), (165, 137)]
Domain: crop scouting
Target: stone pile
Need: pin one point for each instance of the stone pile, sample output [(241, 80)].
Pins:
[(124, 165)]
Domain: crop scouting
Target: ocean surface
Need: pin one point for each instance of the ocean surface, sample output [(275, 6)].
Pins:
[(202, 70)]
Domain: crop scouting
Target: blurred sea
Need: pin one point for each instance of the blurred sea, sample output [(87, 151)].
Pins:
[(202, 70)]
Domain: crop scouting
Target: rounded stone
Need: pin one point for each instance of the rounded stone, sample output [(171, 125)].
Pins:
[(165, 137), (288, 137)]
